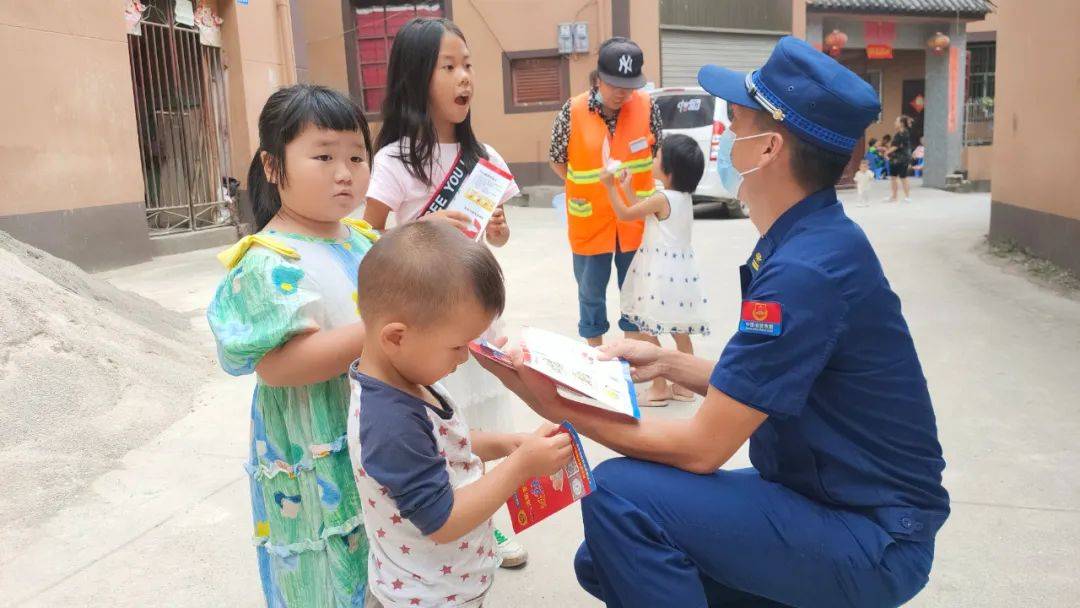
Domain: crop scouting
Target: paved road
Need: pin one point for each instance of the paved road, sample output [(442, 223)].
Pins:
[(169, 526)]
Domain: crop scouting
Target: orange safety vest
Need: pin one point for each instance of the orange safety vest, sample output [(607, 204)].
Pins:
[(591, 222)]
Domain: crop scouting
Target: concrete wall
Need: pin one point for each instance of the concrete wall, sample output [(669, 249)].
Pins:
[(253, 48), (798, 20), (987, 25), (252, 43), (319, 40), (70, 176), (1034, 193), (70, 171), (979, 162)]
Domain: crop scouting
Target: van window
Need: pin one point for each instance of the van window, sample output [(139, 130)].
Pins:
[(686, 111)]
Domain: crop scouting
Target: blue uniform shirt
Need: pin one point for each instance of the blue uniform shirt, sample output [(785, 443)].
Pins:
[(824, 350)]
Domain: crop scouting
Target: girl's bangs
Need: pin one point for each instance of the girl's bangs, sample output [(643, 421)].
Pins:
[(326, 111)]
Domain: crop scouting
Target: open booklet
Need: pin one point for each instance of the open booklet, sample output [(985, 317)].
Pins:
[(575, 368), (541, 497)]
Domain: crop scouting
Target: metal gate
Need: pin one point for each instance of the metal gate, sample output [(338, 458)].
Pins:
[(183, 124)]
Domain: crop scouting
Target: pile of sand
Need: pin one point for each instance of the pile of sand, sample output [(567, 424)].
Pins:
[(87, 372)]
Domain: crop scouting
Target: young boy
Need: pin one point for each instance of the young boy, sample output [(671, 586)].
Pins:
[(863, 178), (426, 291)]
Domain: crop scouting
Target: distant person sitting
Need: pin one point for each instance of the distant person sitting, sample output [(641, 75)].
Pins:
[(874, 158), (919, 157)]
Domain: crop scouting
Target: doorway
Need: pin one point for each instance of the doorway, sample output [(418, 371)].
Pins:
[(914, 105)]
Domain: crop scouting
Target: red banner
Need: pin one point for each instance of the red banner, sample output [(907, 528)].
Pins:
[(954, 83), (879, 51), (879, 32)]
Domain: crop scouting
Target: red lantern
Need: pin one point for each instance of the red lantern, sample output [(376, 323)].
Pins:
[(834, 42), (938, 43)]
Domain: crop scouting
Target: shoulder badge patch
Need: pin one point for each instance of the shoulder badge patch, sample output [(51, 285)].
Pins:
[(764, 318)]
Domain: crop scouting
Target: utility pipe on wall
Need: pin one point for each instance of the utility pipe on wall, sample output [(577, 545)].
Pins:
[(288, 53)]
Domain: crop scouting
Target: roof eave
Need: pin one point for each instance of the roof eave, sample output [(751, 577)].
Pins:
[(970, 15)]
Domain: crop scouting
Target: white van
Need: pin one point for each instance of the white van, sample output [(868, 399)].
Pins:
[(693, 111)]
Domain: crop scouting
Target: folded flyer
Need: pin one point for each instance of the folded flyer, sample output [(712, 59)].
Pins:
[(480, 194), (576, 369), (541, 497)]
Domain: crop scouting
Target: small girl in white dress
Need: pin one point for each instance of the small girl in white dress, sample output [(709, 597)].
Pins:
[(663, 293)]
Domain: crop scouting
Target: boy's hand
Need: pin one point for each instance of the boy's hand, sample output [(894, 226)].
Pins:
[(515, 440), (624, 179), (544, 452)]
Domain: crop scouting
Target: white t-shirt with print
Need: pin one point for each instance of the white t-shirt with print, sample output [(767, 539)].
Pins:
[(405, 195)]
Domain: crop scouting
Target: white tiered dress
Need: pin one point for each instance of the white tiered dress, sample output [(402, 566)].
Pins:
[(663, 292)]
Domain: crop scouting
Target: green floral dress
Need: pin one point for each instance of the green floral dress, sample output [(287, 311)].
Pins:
[(311, 546)]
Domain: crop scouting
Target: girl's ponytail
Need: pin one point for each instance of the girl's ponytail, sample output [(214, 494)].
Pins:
[(265, 200)]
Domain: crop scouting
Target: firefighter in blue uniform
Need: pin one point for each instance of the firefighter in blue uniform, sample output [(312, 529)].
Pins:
[(844, 498)]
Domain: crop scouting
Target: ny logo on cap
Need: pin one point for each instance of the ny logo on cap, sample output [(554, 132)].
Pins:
[(626, 64)]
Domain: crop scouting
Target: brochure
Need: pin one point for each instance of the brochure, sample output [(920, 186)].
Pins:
[(479, 195), (575, 368), (541, 497)]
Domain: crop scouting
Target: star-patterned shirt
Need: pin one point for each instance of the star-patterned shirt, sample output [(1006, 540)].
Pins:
[(408, 458), (560, 130)]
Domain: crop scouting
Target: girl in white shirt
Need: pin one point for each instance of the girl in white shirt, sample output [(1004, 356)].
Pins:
[(426, 132)]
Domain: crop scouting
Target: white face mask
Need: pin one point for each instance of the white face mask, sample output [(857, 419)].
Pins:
[(730, 177)]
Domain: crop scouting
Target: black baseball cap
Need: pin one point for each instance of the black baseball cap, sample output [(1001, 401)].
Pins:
[(620, 62)]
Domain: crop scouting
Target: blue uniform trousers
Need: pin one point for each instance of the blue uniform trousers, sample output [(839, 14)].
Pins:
[(656, 536)]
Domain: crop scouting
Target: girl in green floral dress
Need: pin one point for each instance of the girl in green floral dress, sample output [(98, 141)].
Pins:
[(286, 310)]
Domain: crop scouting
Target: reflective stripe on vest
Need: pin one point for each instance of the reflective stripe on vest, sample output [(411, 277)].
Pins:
[(583, 177), (592, 176)]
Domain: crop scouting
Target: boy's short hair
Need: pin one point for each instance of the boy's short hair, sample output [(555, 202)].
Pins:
[(421, 270), (681, 158)]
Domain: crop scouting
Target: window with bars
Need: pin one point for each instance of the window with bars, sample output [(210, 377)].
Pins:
[(535, 81), (979, 109), (377, 22), (981, 67)]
